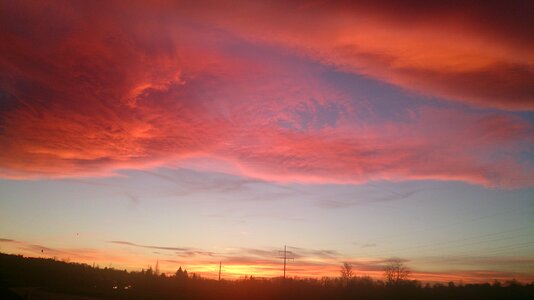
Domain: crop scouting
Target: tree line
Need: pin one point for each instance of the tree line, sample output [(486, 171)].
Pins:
[(75, 279)]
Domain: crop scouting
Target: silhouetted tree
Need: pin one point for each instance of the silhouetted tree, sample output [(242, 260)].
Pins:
[(346, 273), (181, 274), (395, 272)]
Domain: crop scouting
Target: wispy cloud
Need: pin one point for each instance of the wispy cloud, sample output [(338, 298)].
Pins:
[(133, 199), (7, 241), (176, 251), (180, 249)]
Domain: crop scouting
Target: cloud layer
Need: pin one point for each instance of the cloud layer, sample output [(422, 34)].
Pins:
[(88, 90)]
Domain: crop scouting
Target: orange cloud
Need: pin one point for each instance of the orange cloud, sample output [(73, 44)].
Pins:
[(473, 53)]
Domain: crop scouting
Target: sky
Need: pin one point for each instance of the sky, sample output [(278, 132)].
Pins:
[(192, 133)]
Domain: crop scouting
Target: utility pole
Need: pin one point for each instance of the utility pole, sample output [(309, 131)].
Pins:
[(219, 270), (285, 258)]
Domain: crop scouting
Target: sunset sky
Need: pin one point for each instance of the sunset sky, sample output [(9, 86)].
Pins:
[(188, 133)]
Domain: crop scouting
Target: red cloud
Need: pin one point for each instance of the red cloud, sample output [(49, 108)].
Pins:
[(87, 92)]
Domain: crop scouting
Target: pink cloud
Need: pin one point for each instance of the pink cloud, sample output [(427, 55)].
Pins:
[(426, 147), (91, 91)]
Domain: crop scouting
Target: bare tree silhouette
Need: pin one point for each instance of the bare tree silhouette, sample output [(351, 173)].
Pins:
[(395, 271), (346, 272)]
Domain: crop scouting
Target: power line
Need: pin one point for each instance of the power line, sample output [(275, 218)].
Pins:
[(515, 210), (470, 239), (485, 253)]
